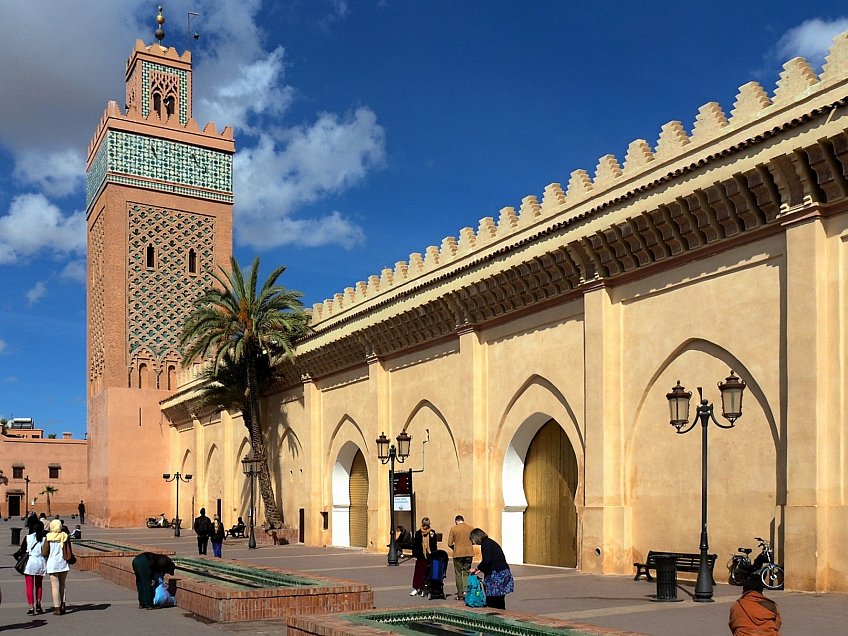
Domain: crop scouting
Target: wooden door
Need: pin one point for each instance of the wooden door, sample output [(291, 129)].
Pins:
[(550, 482), (14, 505), (359, 502)]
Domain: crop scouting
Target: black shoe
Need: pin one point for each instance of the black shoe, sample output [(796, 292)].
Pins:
[(30, 612), (38, 609)]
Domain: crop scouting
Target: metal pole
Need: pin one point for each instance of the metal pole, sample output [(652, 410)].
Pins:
[(393, 553), (177, 515), (252, 541), (29, 505), (704, 585)]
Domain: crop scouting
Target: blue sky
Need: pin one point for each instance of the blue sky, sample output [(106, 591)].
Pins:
[(366, 129)]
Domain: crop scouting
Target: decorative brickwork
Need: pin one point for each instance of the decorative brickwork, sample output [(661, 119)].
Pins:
[(97, 354), (166, 79), (160, 296)]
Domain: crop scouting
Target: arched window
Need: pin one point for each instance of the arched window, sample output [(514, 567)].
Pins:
[(172, 377), (142, 376), (157, 104), (169, 105), (192, 261), (151, 256)]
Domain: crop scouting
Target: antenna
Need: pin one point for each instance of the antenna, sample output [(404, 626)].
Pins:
[(191, 16)]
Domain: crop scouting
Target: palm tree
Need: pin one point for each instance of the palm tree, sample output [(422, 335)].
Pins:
[(234, 321), (49, 490)]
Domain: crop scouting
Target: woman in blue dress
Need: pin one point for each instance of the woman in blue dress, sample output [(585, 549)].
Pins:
[(497, 579)]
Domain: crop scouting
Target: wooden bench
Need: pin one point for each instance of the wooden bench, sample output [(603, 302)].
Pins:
[(685, 563), (235, 531)]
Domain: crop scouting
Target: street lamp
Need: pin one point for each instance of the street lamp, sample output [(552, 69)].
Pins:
[(731, 408), (388, 453), (251, 464), (177, 478), (27, 480)]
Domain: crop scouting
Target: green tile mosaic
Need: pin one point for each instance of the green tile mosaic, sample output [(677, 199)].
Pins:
[(240, 576), (397, 621), (146, 68), (184, 169)]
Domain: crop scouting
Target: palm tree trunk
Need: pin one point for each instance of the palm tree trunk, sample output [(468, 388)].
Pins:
[(266, 488)]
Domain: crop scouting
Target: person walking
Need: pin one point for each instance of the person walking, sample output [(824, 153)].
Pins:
[(147, 567), (753, 614), (422, 545), (202, 528), (36, 566), (459, 541), (217, 536), (81, 509), (497, 578), (57, 567)]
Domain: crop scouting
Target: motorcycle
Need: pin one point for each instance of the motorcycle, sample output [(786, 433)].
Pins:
[(770, 572), (158, 522)]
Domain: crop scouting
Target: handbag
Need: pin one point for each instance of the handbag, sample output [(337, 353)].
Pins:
[(20, 566), (68, 553), (474, 594)]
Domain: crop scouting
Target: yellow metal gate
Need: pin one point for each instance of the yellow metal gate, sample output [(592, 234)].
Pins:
[(550, 481), (359, 502)]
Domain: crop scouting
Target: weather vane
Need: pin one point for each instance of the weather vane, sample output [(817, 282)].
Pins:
[(191, 16)]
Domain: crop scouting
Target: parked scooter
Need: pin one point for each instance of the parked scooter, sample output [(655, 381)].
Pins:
[(159, 522), (770, 572)]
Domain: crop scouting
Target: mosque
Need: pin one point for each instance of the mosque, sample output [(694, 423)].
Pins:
[(529, 357)]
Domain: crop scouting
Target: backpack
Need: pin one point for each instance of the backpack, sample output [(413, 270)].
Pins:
[(474, 595), (204, 527)]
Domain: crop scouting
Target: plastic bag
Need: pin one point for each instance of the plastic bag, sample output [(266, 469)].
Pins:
[(162, 597)]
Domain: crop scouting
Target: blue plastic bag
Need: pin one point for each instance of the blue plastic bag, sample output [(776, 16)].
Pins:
[(474, 595), (162, 597)]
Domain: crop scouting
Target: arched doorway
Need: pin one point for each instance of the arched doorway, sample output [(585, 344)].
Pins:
[(358, 490), (342, 491), (550, 484)]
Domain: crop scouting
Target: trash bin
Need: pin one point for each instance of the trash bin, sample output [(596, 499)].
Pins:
[(667, 578), (16, 536)]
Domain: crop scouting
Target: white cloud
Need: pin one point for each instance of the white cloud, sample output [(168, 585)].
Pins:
[(75, 271), (36, 293), (304, 165), (58, 173), (34, 224), (810, 39), (2, 346), (11, 378)]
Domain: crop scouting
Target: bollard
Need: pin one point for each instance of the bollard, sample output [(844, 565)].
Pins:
[(667, 578), (16, 536)]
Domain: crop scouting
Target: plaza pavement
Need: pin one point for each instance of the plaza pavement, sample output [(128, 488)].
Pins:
[(99, 607)]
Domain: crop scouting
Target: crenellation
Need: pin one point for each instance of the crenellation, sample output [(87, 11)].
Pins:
[(639, 154), (448, 250), (467, 241), (750, 101), (606, 171), (797, 77), (210, 129), (553, 199), (348, 296), (386, 278), (709, 123), (530, 211), (338, 301), (507, 221), (579, 186), (701, 218), (487, 230), (317, 310), (836, 61), (431, 258), (673, 139)]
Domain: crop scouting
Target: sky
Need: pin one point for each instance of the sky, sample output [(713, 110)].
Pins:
[(365, 130)]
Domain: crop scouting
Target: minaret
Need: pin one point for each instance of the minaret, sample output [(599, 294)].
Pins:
[(159, 198)]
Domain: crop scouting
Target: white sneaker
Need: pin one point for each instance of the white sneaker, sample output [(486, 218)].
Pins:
[(414, 593)]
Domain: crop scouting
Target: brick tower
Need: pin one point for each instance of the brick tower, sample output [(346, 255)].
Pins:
[(159, 209)]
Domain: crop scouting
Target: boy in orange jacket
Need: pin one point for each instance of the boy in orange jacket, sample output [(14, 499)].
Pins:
[(754, 614)]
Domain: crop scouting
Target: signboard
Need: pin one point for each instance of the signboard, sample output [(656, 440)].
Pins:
[(403, 484), (403, 503)]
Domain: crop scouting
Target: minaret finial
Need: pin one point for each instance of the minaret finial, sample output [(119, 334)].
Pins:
[(160, 20)]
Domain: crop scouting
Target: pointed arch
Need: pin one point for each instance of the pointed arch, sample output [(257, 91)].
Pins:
[(346, 419), (542, 382), (242, 451), (187, 459), (426, 404), (209, 455)]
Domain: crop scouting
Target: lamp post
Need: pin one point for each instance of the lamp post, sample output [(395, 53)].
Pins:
[(731, 406), (250, 465), (26, 480), (387, 454), (177, 478)]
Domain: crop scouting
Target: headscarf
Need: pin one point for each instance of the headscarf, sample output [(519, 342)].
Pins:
[(425, 540), (56, 533)]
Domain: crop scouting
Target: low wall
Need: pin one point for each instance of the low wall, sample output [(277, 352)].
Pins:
[(223, 604), (281, 536), (90, 560), (342, 626)]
